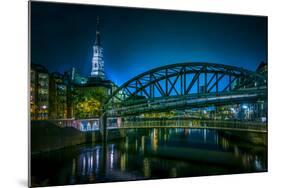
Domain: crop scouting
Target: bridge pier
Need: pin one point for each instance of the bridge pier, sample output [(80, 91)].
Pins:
[(104, 127)]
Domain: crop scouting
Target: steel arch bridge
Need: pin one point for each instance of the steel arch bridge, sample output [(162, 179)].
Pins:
[(186, 85)]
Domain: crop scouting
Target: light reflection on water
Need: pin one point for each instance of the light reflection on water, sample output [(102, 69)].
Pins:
[(140, 156)]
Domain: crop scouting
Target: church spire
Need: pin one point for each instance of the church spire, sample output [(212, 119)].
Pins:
[(97, 42), (97, 60)]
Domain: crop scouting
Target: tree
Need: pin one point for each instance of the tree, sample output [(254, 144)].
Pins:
[(88, 101)]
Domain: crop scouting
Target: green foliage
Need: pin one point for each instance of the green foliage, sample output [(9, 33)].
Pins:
[(88, 108), (88, 101)]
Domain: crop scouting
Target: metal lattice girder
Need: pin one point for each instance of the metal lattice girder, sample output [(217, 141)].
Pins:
[(190, 101), (180, 79)]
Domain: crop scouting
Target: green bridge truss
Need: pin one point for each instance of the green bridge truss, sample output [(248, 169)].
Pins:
[(186, 85)]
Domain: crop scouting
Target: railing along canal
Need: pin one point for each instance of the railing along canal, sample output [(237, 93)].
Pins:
[(86, 125), (94, 124)]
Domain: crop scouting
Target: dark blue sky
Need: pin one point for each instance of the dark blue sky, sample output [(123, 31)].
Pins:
[(136, 40)]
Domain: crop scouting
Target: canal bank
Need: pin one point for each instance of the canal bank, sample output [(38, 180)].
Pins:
[(46, 136)]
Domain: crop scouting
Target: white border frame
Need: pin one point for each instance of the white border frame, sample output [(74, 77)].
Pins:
[(14, 91)]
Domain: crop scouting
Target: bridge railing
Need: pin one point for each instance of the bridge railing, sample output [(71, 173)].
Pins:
[(215, 124), (87, 125), (83, 125)]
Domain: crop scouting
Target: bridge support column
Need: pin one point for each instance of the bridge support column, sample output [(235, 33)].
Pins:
[(104, 141), (104, 127)]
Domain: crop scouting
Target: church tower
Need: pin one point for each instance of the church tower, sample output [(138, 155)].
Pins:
[(97, 61)]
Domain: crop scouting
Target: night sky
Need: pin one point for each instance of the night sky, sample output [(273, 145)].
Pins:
[(136, 40)]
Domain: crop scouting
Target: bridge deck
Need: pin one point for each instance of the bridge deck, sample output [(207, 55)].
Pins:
[(186, 102)]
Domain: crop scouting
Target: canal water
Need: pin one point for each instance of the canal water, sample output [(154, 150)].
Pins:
[(150, 154)]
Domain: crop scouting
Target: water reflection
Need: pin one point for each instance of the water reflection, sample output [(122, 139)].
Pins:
[(149, 153), (146, 167)]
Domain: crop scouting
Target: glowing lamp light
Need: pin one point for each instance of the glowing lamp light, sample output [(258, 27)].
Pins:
[(44, 106), (245, 106)]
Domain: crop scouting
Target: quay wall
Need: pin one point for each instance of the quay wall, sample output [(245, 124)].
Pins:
[(46, 136)]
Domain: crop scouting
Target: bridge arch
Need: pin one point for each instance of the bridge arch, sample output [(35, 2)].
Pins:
[(186, 79)]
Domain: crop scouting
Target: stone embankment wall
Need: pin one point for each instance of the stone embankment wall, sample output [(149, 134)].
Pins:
[(46, 136)]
